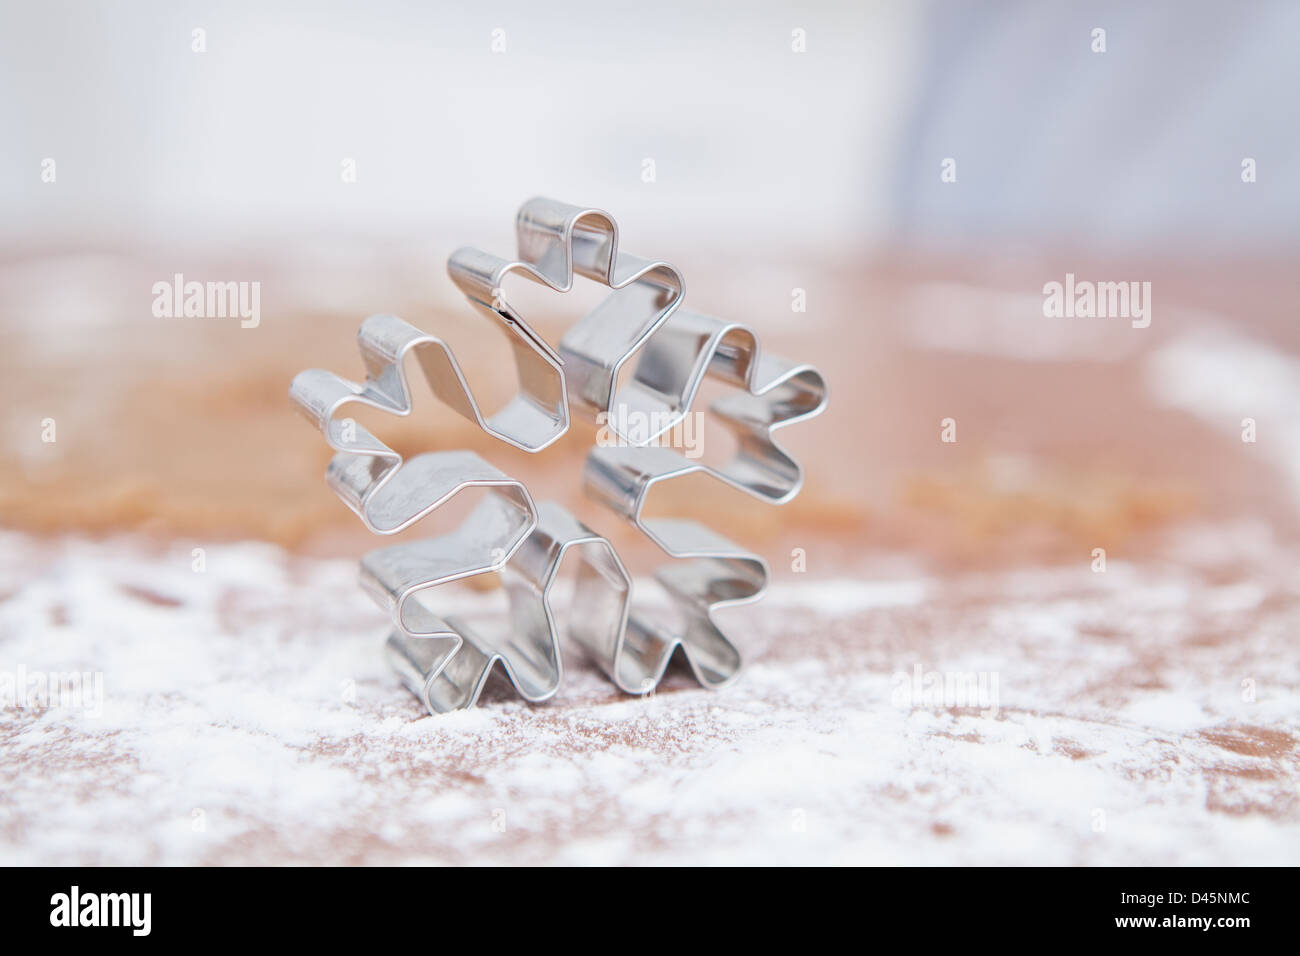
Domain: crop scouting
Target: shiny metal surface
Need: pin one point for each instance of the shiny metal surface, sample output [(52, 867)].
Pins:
[(446, 660), (557, 241), (709, 572), (772, 393)]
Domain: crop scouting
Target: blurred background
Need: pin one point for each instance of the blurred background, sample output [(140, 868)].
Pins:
[(918, 170)]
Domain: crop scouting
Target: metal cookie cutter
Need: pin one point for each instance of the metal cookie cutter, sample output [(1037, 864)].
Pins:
[(447, 660), (711, 572), (556, 241), (772, 394)]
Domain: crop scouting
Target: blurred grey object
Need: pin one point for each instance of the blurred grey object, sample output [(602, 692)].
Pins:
[(1137, 145)]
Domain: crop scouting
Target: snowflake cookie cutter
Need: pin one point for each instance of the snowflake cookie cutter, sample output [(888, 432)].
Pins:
[(446, 661)]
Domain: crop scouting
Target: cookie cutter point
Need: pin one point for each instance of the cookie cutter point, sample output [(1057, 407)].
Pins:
[(774, 393), (707, 573), (451, 673), (555, 242), (530, 421)]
